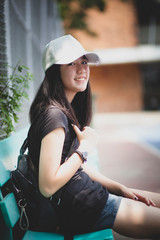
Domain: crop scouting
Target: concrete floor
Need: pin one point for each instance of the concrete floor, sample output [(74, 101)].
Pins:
[(129, 149)]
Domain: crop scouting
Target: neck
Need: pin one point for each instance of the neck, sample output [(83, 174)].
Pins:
[(69, 97)]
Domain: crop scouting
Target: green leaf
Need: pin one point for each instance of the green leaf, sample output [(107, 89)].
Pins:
[(12, 90)]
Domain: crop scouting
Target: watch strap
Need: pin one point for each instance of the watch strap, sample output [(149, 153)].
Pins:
[(83, 155)]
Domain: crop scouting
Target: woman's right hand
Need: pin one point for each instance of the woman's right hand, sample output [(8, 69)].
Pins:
[(87, 138)]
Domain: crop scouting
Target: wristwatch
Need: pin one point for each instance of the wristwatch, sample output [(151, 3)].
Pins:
[(83, 155)]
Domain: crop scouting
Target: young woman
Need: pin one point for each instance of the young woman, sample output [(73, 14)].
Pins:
[(83, 199)]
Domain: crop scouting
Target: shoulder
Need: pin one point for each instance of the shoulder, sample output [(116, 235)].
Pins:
[(55, 111), (54, 114), (48, 120)]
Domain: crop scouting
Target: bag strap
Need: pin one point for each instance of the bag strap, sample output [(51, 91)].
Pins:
[(24, 146), (72, 149)]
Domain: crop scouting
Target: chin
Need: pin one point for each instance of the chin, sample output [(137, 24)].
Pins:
[(82, 89)]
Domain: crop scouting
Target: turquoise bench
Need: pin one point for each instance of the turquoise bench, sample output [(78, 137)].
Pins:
[(9, 212)]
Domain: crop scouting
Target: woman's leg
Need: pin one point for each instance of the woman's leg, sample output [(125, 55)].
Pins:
[(137, 220)]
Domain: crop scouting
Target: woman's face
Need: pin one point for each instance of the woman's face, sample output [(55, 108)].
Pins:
[(75, 76)]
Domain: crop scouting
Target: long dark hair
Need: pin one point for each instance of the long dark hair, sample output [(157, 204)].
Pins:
[(51, 93)]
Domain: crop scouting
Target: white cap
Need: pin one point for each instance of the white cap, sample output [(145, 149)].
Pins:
[(64, 50)]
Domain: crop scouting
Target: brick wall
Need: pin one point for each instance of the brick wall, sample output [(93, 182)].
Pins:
[(115, 27), (117, 88)]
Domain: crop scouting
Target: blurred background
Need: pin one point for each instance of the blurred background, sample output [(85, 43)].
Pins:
[(126, 86), (125, 34)]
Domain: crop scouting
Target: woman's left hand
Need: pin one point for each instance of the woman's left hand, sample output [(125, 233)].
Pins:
[(129, 193)]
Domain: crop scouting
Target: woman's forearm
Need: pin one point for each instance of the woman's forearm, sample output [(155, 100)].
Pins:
[(111, 185)]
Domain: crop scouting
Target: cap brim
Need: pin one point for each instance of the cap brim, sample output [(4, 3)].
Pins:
[(92, 58)]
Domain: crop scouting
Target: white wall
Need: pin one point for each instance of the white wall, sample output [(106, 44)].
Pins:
[(30, 25)]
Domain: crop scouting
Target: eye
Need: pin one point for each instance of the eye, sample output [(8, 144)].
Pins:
[(85, 62), (71, 64)]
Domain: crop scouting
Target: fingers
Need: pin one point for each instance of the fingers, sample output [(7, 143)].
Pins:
[(85, 130), (76, 129), (141, 198), (149, 202), (152, 203), (135, 198), (87, 137), (145, 200)]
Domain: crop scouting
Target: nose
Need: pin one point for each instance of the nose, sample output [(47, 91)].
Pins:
[(80, 68)]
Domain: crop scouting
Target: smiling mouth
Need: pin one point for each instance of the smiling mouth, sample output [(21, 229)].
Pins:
[(80, 79)]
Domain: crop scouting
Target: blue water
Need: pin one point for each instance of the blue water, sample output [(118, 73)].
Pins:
[(148, 134), (155, 144)]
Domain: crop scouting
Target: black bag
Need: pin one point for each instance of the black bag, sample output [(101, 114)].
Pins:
[(36, 211)]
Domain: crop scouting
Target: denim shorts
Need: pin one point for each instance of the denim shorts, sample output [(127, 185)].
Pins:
[(108, 214)]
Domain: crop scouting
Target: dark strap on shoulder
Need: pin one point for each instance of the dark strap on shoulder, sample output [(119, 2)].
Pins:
[(72, 148), (24, 146)]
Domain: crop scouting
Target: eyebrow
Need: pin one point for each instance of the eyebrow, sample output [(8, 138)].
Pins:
[(84, 57)]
